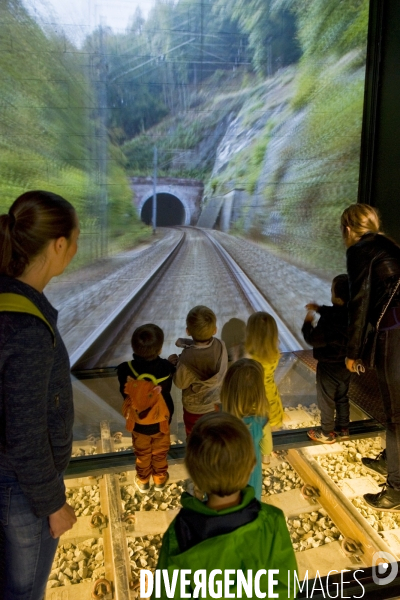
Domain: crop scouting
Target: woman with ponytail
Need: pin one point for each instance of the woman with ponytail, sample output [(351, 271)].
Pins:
[(38, 239)]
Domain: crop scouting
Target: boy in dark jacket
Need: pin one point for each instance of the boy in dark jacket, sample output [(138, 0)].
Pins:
[(329, 340), (228, 528), (150, 439)]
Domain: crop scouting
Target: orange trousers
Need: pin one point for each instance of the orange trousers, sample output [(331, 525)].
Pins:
[(151, 456)]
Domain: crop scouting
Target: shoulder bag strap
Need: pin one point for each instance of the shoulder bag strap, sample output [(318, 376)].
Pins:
[(20, 304)]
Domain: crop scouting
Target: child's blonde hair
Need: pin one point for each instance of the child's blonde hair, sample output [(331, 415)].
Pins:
[(201, 323), (220, 454), (243, 390), (262, 337)]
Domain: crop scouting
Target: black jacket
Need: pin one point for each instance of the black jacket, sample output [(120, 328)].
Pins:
[(36, 409), (329, 337), (368, 298), (159, 367)]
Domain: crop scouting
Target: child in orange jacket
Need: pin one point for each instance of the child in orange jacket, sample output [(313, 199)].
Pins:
[(148, 415)]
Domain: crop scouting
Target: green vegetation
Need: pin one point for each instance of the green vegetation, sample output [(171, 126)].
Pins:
[(271, 29), (187, 142), (287, 74), (49, 133), (316, 174)]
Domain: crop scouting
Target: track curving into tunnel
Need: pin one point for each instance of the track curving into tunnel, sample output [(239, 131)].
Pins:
[(197, 271)]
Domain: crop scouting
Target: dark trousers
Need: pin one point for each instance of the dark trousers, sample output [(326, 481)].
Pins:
[(388, 370), (333, 381)]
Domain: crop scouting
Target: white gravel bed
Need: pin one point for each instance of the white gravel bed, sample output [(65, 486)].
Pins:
[(311, 530), (282, 478), (313, 420), (379, 520), (143, 554), (84, 451), (76, 563), (84, 500), (347, 464), (169, 498)]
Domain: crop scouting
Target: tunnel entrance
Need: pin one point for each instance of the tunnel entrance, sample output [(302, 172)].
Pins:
[(170, 211)]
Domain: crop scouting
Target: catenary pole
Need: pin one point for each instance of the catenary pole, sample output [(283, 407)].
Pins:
[(154, 216)]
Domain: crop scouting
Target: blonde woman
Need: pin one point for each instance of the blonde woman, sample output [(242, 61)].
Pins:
[(243, 395), (373, 266), (262, 344)]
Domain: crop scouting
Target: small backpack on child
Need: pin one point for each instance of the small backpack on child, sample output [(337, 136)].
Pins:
[(144, 402)]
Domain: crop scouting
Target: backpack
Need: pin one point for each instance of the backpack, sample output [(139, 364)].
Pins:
[(17, 303), (144, 402)]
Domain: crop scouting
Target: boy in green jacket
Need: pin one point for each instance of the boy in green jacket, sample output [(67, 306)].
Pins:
[(228, 543)]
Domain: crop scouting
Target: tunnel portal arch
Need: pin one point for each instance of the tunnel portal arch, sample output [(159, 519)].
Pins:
[(171, 210)]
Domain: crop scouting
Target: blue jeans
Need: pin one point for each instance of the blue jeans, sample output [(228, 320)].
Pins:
[(388, 370), (28, 549)]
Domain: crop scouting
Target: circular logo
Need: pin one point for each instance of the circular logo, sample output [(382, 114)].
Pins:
[(384, 571)]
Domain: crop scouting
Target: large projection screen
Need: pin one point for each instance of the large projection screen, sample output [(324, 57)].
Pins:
[(208, 147)]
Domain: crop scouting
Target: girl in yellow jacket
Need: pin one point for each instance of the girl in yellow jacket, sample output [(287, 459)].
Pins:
[(262, 345)]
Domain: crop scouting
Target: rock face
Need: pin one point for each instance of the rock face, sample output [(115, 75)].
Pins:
[(297, 160)]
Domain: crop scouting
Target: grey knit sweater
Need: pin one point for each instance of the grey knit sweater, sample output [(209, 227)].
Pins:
[(36, 409)]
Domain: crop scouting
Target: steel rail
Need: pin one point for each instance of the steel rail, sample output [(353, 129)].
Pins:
[(257, 300), (88, 354), (85, 356)]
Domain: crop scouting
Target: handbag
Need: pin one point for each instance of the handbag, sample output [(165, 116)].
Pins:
[(371, 336)]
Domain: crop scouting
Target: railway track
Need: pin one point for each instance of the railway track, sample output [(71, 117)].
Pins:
[(197, 270), (119, 531)]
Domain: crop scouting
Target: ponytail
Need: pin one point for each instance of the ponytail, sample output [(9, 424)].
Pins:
[(33, 220), (6, 225)]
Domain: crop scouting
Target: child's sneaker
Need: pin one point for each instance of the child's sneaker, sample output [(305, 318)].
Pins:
[(343, 433), (159, 487), (142, 487), (318, 436)]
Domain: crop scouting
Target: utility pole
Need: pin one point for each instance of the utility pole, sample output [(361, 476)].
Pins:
[(154, 216), (103, 143)]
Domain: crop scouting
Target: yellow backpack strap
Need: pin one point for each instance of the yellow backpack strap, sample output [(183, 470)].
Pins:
[(146, 376), (19, 304)]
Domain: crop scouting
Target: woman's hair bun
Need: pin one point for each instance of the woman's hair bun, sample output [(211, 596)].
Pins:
[(11, 220), (41, 216)]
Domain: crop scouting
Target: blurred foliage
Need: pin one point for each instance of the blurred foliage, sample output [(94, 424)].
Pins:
[(311, 164), (271, 28), (155, 66), (328, 30), (178, 80), (187, 143), (50, 127)]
